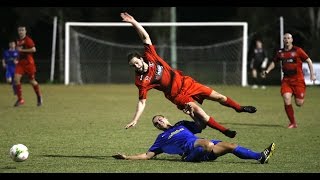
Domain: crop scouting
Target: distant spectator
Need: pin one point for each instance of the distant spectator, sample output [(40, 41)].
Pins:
[(258, 63)]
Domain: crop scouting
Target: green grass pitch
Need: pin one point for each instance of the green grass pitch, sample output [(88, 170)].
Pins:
[(78, 128)]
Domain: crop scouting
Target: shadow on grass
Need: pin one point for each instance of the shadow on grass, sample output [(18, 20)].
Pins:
[(9, 167), (211, 161), (258, 125), (154, 159), (76, 156)]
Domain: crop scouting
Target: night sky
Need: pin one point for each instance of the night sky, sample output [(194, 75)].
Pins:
[(41, 30), (189, 11)]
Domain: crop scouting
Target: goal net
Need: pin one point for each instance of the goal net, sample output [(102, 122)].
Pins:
[(210, 52)]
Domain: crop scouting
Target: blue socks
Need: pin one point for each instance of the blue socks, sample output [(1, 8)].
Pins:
[(245, 153)]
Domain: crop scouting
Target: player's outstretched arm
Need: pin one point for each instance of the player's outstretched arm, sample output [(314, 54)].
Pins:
[(144, 36), (144, 156), (139, 109)]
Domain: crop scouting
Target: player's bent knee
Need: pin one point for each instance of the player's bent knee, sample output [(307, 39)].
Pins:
[(299, 104)]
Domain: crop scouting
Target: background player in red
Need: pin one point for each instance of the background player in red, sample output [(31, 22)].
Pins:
[(26, 65), (152, 72), (293, 82)]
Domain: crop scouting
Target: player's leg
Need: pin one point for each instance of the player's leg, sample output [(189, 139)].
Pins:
[(201, 115), (199, 92), (286, 93), (8, 76), (246, 153), (11, 79), (289, 109), (219, 148), (228, 102), (36, 87), (198, 150), (262, 80), (222, 148), (254, 79), (18, 88), (299, 92)]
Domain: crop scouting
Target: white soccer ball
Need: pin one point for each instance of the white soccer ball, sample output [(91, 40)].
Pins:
[(19, 152)]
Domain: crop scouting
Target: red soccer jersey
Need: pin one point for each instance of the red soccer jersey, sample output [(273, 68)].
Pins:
[(25, 43), (159, 76), (292, 62)]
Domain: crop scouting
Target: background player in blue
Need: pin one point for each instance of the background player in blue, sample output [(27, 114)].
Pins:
[(180, 139), (9, 62)]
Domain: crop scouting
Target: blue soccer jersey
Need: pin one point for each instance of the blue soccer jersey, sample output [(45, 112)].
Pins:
[(9, 57), (178, 139)]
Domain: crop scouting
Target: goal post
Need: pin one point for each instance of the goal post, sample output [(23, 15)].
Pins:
[(68, 37)]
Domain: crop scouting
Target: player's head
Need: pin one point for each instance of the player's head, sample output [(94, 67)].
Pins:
[(160, 122), (258, 43), (135, 60), (12, 44), (287, 39), (22, 31)]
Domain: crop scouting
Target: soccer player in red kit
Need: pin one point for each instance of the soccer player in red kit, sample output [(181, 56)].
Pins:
[(26, 65), (293, 83), (152, 72)]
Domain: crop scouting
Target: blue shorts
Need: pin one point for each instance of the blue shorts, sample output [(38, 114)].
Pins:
[(10, 72), (197, 154)]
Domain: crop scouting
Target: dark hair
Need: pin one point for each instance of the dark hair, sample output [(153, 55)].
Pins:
[(132, 55), (21, 25), (155, 124), (12, 40), (156, 116)]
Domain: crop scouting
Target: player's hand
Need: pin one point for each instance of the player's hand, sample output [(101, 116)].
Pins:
[(264, 74), (313, 78), (133, 123), (19, 48), (127, 17), (119, 156), (188, 109), (15, 61)]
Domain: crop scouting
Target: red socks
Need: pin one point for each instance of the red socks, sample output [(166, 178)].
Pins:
[(230, 103), (290, 113), (19, 91), (215, 125)]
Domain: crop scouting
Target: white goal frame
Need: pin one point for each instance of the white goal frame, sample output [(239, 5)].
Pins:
[(244, 81)]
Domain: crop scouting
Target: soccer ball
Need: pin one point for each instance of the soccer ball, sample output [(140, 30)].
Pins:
[(19, 152)]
